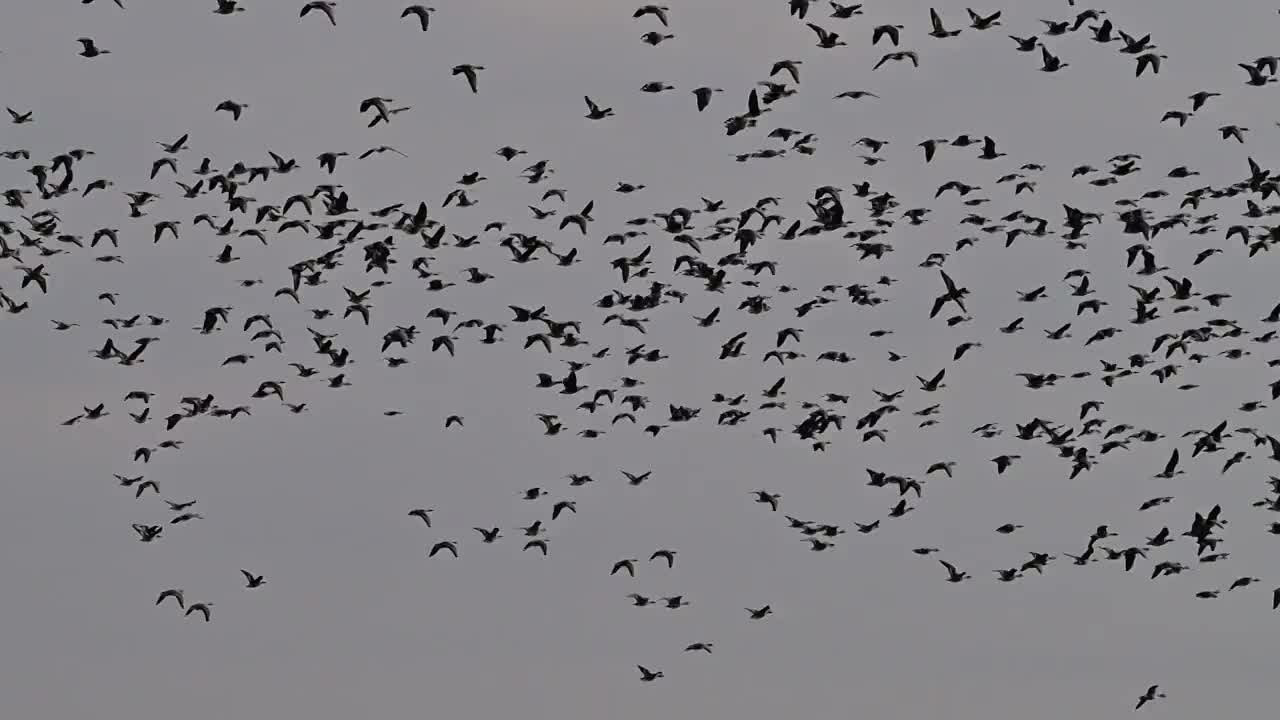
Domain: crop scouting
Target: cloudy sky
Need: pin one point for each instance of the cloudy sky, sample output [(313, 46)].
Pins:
[(354, 620)]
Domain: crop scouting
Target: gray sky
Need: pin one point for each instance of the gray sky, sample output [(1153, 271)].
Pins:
[(355, 620)]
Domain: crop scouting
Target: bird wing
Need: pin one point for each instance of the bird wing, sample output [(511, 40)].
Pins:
[(951, 285)]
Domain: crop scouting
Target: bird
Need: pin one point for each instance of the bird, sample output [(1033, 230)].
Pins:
[(1050, 62), (232, 107), (703, 95), (204, 608), (469, 72), (443, 545), (770, 499), (938, 30), (175, 593), (979, 22), (89, 48), (953, 575), (422, 12), (1151, 694), (324, 6), (595, 112), (658, 11), (1149, 60), (668, 555)]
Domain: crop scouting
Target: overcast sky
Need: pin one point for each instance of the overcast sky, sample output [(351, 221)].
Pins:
[(354, 620)]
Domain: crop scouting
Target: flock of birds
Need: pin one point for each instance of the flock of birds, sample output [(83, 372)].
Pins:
[(704, 265)]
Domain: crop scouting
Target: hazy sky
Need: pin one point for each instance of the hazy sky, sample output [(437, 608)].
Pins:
[(355, 621)]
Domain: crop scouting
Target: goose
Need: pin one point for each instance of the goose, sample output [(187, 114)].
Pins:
[(702, 96), (1151, 60), (444, 545), (1150, 695), (938, 30), (655, 38), (636, 479), (1256, 77), (1051, 62), (89, 49), (953, 575), (983, 23), (933, 384), (1171, 467), (890, 31), (989, 149), (469, 72), (172, 148), (897, 57), (826, 40), (668, 555), (658, 11), (422, 12), (764, 497), (844, 12), (595, 112), (175, 593), (232, 107), (203, 608), (1027, 44), (324, 6), (945, 467)]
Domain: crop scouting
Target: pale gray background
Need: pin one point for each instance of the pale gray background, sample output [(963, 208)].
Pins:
[(354, 620)]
